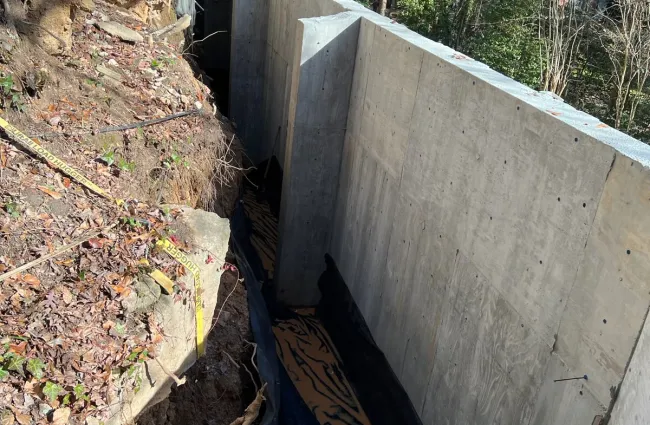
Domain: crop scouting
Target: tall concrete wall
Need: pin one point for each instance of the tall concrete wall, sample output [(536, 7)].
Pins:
[(495, 239)]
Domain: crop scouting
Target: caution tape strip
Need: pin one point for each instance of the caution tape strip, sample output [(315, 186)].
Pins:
[(172, 250), (28, 143), (166, 245)]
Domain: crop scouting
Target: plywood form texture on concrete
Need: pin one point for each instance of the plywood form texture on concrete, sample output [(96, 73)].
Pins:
[(248, 47), (610, 298), (318, 107), (527, 189), (633, 405), (511, 212), (282, 21)]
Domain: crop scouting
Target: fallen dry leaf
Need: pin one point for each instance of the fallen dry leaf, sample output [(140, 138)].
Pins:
[(60, 416), (31, 280), (6, 417), (53, 193), (66, 182), (18, 348), (22, 418), (96, 242)]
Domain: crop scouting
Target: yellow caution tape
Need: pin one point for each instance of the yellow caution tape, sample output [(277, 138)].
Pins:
[(165, 282), (170, 249), (28, 143)]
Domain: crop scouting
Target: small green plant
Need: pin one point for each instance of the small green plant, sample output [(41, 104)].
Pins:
[(11, 97), (93, 82), (3, 374), (175, 160), (124, 165), (81, 275), (108, 157), (35, 367), (155, 64), (52, 390), (171, 60), (130, 221), (12, 209), (80, 392), (14, 362)]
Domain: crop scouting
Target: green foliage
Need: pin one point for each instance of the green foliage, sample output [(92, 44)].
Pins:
[(175, 160), (3, 374), (52, 390), (35, 367), (12, 209), (14, 362), (11, 96), (108, 157), (80, 392), (125, 165)]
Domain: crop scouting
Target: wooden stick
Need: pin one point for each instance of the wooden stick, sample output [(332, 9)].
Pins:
[(56, 253), (149, 122), (179, 381)]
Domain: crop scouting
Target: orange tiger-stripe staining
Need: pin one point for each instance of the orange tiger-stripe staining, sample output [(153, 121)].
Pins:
[(264, 237), (312, 363), (303, 345)]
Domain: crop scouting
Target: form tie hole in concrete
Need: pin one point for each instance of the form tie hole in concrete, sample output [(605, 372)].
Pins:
[(522, 325), (628, 252), (605, 321), (518, 108), (575, 140), (580, 392), (473, 83), (558, 199), (505, 162), (584, 205), (541, 262), (490, 217)]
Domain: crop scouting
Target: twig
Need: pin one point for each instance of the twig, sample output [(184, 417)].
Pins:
[(237, 365), (251, 375), (231, 359), (224, 303), (147, 123), (59, 251), (179, 381), (203, 39)]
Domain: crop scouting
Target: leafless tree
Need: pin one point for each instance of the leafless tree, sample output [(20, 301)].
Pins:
[(382, 7), (561, 28), (627, 42)]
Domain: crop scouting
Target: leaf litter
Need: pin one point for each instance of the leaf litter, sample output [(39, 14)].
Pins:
[(68, 344)]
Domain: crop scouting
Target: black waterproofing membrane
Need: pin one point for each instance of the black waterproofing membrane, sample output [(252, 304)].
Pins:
[(321, 363)]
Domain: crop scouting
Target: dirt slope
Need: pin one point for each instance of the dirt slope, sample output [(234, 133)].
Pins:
[(70, 334)]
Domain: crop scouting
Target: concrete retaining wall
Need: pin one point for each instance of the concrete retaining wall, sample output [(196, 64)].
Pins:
[(495, 239)]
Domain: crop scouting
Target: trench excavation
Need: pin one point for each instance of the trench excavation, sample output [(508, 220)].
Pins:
[(328, 367)]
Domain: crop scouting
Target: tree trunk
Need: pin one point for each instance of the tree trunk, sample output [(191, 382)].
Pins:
[(382, 7)]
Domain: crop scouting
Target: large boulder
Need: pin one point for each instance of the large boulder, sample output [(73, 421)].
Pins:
[(208, 235)]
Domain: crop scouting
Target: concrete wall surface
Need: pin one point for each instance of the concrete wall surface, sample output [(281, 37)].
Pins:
[(495, 239)]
